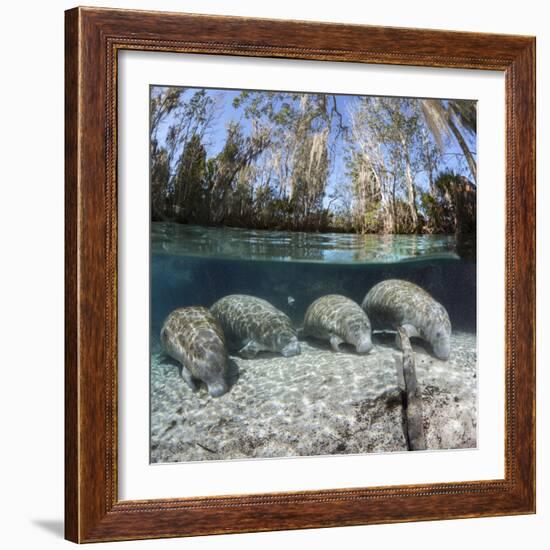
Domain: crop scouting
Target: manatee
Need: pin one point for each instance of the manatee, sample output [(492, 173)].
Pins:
[(339, 320), (395, 303), (252, 325), (193, 336)]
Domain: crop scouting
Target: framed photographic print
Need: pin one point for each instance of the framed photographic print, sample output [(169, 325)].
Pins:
[(300, 275)]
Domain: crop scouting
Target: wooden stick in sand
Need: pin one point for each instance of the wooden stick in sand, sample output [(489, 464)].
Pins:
[(413, 398)]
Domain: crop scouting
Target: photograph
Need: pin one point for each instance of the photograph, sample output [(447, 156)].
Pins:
[(287, 306), (312, 274)]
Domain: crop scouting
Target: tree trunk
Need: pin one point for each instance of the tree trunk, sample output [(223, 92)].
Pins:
[(464, 147), (411, 193)]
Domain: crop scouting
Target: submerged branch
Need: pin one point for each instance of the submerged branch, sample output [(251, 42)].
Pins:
[(416, 440)]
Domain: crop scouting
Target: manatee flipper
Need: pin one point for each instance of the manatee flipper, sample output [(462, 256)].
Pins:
[(411, 332), (186, 375), (250, 350), (335, 342)]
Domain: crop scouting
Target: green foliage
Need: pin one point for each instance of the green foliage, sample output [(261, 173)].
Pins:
[(189, 180), (451, 208), (371, 220), (160, 175), (439, 213)]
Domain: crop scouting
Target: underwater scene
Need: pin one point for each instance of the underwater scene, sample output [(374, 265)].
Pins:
[(312, 276)]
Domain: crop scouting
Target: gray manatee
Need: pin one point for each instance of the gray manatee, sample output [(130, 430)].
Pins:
[(193, 336), (395, 303), (252, 325), (338, 319)]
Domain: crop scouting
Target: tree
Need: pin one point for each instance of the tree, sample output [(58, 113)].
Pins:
[(451, 208), (160, 175), (188, 180), (163, 102), (237, 154), (455, 117), (297, 163), (383, 163), (180, 119), (276, 164)]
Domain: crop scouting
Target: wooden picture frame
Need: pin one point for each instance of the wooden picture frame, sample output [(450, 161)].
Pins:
[(93, 511)]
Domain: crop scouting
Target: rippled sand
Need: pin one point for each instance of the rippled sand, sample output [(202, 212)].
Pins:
[(315, 403)]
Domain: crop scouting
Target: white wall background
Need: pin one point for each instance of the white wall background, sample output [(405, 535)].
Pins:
[(31, 272)]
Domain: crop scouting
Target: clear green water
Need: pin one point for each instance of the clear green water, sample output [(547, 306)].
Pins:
[(192, 265), (286, 246)]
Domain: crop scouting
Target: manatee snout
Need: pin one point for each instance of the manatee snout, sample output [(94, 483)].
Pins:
[(442, 348), (291, 349), (213, 369), (218, 388), (359, 334), (364, 345), (439, 336)]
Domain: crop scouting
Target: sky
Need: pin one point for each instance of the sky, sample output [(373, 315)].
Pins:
[(216, 136)]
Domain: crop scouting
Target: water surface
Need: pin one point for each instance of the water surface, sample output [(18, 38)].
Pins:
[(193, 265), (290, 246)]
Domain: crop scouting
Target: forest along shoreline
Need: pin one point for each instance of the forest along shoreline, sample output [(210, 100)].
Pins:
[(314, 162)]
